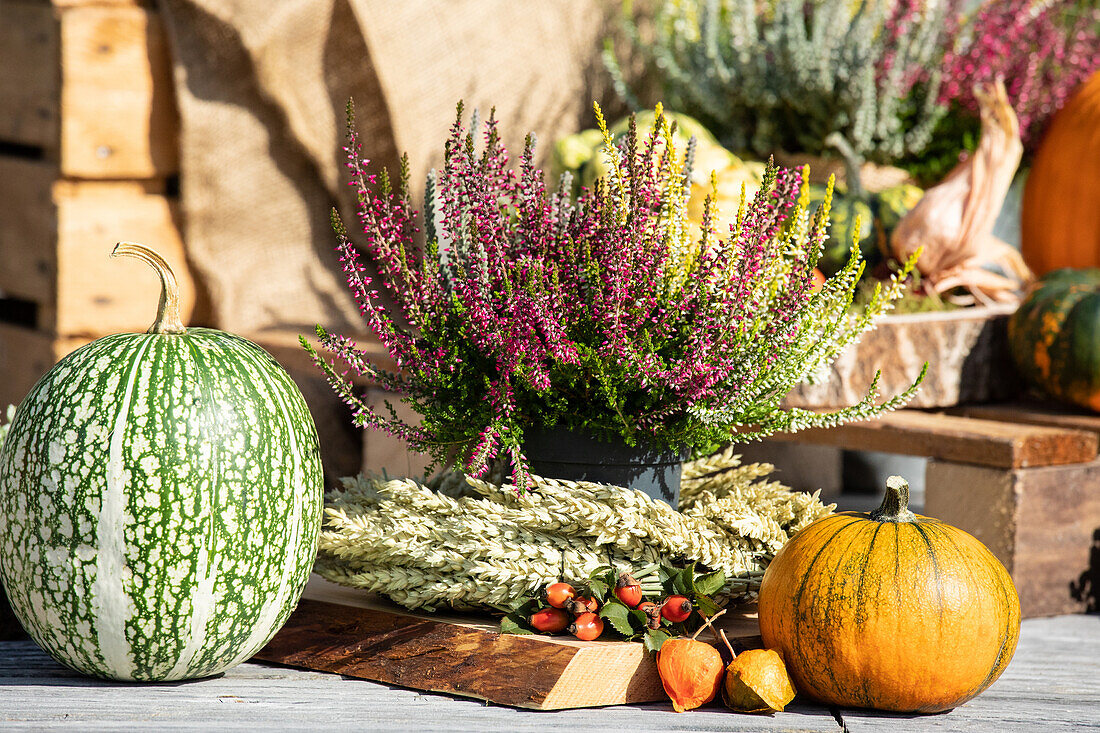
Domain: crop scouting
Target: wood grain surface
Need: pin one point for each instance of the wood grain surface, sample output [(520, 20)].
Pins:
[(349, 632), (30, 85), (1042, 523), (1052, 684), (958, 439), (90, 86), (1033, 412), (55, 248)]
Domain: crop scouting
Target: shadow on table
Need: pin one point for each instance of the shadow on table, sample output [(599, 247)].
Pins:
[(1086, 589), (23, 663)]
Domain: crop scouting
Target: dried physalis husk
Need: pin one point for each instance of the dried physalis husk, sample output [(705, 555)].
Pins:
[(953, 222), (757, 681), (690, 670)]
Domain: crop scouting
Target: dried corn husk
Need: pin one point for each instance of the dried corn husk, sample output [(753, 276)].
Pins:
[(954, 220), (468, 543)]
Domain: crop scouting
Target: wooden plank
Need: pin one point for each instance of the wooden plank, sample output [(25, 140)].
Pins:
[(1053, 683), (25, 355), (56, 243), (1042, 523), (966, 351), (30, 80), (958, 439), (28, 229), (91, 85), (96, 294), (1050, 414), (465, 655), (39, 694), (118, 114)]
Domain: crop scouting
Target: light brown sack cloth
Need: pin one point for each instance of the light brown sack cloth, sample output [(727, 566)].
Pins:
[(262, 85)]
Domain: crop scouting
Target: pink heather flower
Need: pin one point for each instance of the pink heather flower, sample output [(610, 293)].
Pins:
[(508, 305), (1042, 49)]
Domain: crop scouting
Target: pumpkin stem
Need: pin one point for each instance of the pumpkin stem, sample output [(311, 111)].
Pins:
[(895, 505), (168, 312)]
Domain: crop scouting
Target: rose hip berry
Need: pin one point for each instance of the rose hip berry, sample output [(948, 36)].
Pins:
[(628, 590), (550, 620), (559, 594), (582, 604), (676, 609), (653, 612), (587, 626)]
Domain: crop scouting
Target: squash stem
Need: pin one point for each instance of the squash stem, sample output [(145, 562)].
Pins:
[(168, 312), (895, 505)]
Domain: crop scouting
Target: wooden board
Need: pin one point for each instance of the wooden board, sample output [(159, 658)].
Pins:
[(958, 439), (37, 694), (1052, 684), (1033, 412), (345, 631), (1042, 523), (30, 77), (966, 351), (91, 85), (56, 241), (25, 355)]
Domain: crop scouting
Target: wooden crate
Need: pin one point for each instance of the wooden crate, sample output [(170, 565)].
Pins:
[(90, 85), (1023, 478), (88, 151)]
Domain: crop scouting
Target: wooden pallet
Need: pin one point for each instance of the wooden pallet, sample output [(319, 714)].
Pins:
[(90, 85), (349, 632), (1024, 478), (88, 149)]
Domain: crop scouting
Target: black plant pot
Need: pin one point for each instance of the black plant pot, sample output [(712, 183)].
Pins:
[(578, 456)]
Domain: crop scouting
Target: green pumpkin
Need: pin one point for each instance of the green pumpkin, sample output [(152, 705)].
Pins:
[(892, 204), (842, 229), (160, 501), (583, 155), (1054, 336)]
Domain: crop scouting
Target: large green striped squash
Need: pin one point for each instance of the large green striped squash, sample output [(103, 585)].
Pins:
[(160, 501), (889, 610), (1054, 336)]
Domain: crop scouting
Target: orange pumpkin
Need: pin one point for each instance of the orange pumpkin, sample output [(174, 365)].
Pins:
[(1060, 221), (889, 610)]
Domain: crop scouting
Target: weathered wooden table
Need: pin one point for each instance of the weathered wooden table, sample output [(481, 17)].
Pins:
[(1053, 684)]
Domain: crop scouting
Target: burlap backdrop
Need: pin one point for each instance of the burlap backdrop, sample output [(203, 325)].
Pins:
[(262, 87)]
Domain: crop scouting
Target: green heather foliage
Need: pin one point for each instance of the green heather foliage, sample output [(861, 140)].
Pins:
[(608, 311), (788, 74)]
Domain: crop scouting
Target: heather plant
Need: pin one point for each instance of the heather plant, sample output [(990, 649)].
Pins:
[(1042, 49), (508, 306), (794, 75)]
